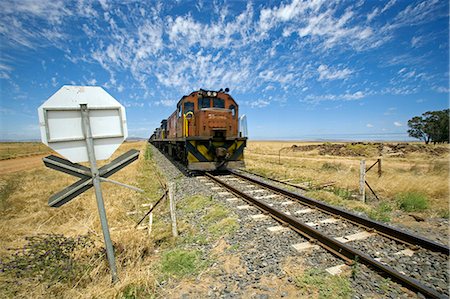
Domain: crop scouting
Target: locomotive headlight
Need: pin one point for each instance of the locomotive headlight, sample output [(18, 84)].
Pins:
[(214, 94), (209, 93)]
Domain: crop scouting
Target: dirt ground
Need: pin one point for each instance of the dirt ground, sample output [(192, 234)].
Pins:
[(20, 164)]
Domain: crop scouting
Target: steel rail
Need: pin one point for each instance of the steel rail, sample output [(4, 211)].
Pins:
[(275, 180), (340, 249), (379, 227)]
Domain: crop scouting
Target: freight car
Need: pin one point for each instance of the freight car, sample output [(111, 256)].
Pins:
[(205, 132)]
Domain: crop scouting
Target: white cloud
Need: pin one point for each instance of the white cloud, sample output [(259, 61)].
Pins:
[(92, 81), (257, 103), (369, 125), (397, 124), (326, 73), (441, 89), (166, 103), (333, 97)]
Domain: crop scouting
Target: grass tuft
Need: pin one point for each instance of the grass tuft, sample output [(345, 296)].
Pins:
[(215, 214), (382, 212), (135, 291), (315, 282), (223, 227), (412, 201), (181, 263), (196, 202)]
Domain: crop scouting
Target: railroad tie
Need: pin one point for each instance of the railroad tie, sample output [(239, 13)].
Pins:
[(407, 252), (354, 237), (231, 199), (304, 211), (336, 270), (224, 193), (270, 196), (278, 229), (304, 246), (255, 191), (259, 217), (244, 207)]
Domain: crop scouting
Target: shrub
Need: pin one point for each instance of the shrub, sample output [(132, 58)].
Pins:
[(412, 201)]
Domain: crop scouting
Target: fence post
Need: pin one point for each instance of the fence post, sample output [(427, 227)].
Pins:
[(362, 180), (150, 221), (172, 205), (379, 167)]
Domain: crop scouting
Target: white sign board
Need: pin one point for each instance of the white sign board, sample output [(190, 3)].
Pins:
[(61, 128)]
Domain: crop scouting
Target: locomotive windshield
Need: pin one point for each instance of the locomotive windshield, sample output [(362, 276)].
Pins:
[(218, 103), (204, 103), (188, 106)]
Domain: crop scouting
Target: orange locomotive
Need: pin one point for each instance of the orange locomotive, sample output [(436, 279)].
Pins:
[(205, 132)]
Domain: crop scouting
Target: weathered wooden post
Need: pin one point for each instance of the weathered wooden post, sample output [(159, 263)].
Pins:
[(379, 167), (362, 180), (150, 221), (172, 205)]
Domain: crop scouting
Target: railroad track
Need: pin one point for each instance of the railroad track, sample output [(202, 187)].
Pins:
[(392, 252)]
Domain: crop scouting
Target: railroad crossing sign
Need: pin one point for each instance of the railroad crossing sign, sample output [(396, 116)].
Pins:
[(61, 126), (85, 175), (85, 123)]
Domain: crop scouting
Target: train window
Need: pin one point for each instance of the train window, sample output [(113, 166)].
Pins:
[(233, 110), (204, 103), (218, 103), (188, 106), (179, 111)]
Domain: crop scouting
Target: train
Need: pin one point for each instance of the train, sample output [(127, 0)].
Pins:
[(205, 132)]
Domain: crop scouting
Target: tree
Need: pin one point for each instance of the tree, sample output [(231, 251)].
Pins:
[(431, 126)]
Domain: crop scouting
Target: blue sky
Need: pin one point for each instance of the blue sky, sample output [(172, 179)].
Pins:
[(298, 69)]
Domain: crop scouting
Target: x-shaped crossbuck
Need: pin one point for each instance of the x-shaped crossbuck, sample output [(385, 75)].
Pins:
[(85, 175)]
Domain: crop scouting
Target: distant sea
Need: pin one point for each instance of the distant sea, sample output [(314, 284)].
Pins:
[(401, 137)]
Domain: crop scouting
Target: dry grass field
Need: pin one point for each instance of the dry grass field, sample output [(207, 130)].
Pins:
[(58, 252), (46, 268), (412, 171), (11, 150)]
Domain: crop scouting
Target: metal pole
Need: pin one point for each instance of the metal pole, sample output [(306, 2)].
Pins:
[(362, 180), (98, 191)]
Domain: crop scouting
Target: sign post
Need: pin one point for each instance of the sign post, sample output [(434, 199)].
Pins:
[(83, 124), (98, 190)]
